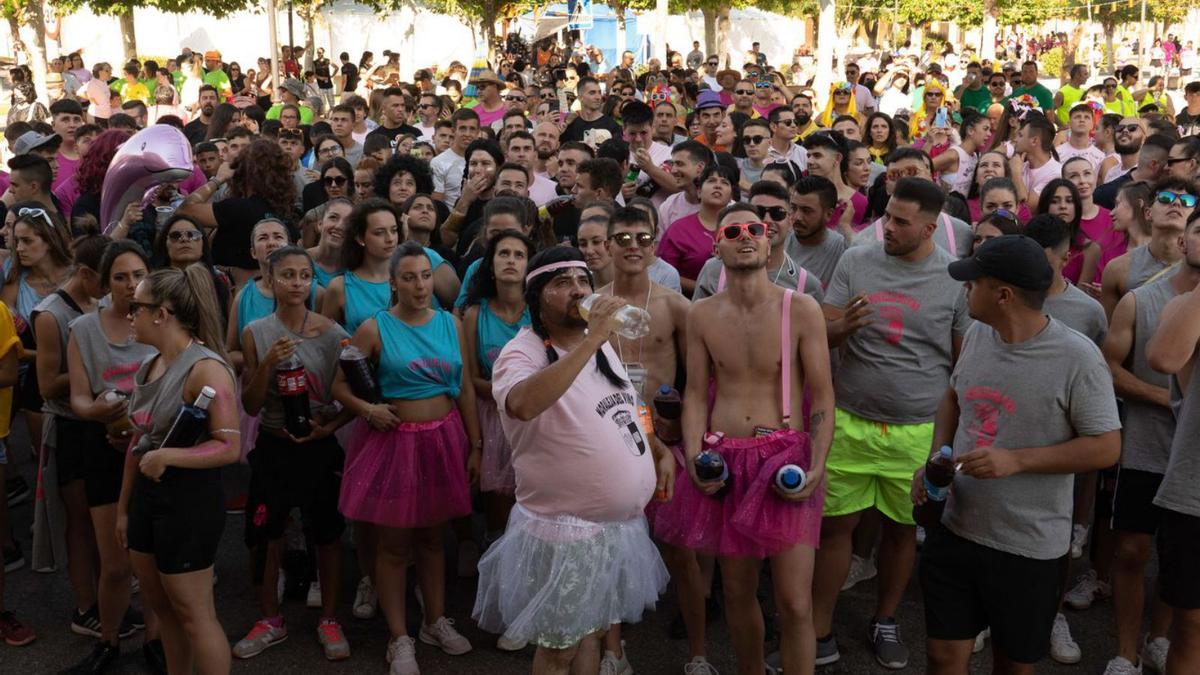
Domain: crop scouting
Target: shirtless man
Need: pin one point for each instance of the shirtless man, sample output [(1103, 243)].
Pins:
[(756, 421), (651, 362), (1139, 265)]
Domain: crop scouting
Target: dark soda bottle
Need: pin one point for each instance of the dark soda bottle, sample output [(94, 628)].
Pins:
[(711, 467), (358, 372), (292, 384), (939, 474), (190, 422), (668, 410), (556, 206)]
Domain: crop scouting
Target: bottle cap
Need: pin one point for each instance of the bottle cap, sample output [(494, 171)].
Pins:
[(946, 451), (664, 388)]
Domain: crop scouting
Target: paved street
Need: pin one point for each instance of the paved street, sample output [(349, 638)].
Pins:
[(43, 601)]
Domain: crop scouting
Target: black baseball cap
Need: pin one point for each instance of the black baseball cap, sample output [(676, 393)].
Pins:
[(1013, 258)]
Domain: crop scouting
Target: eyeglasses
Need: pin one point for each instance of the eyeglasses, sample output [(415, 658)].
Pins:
[(714, 64), (1128, 128), (330, 150), (334, 181), (1167, 197), (291, 133), (897, 174), (744, 92), (933, 94), (753, 140), (626, 239), (775, 213), (734, 232), (996, 83), (185, 235), (34, 212), (787, 122), (515, 99), (423, 106), (1172, 161)]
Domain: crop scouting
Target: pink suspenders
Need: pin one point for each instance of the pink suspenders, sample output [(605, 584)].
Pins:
[(785, 355)]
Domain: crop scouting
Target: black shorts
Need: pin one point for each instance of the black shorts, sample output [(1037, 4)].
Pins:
[(968, 587), (103, 467), (70, 448), (179, 520), (1133, 508), (1178, 560), (285, 475), (28, 396)]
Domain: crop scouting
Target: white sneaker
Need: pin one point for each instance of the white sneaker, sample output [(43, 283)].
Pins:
[(261, 637), (442, 635), (1154, 655), (699, 666), (1119, 665), (1079, 537), (861, 569), (365, 601), (611, 664), (1063, 647), (468, 559), (507, 644), (981, 639), (402, 656), (313, 600), (1087, 590)]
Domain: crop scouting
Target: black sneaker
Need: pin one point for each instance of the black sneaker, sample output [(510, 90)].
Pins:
[(890, 652), (131, 623), (827, 650), (102, 657), (87, 623), (17, 490), (13, 560), (155, 656)]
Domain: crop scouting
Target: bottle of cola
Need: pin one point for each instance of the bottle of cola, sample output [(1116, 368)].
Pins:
[(939, 475), (292, 385), (668, 410), (711, 467), (358, 373)]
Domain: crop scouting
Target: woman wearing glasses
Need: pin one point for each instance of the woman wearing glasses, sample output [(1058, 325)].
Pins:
[(171, 511), (181, 242), (336, 180), (840, 102)]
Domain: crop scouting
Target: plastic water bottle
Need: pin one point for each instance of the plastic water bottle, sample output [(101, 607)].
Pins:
[(292, 384), (790, 479), (358, 372), (634, 321), (668, 409), (190, 423), (939, 474), (711, 467)]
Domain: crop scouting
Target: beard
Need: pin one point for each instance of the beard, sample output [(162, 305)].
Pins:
[(208, 110), (802, 119), (1127, 148)]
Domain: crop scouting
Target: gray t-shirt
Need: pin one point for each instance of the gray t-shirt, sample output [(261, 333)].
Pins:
[(786, 276), (1148, 428), (896, 369), (1044, 391), (1178, 489), (1143, 266), (821, 259), (319, 356), (1079, 311), (964, 237), (63, 314), (662, 273)]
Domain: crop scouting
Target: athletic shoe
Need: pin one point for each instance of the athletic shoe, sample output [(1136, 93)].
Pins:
[(890, 652), (313, 601), (260, 637), (468, 559), (102, 657), (699, 666), (980, 640), (920, 536), (827, 650), (1087, 590), (1063, 647), (1119, 665), (13, 560), (365, 602), (17, 490), (281, 586), (87, 623), (14, 632), (402, 656), (861, 569), (236, 505), (1079, 535), (507, 644), (1154, 654), (133, 620), (612, 664), (155, 657), (333, 640), (442, 635)]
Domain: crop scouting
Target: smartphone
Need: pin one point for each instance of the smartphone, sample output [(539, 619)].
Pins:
[(941, 119)]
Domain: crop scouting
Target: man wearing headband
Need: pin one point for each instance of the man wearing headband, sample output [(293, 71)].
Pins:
[(761, 345), (1029, 404), (585, 470)]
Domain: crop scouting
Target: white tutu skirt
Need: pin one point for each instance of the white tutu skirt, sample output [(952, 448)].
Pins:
[(553, 580)]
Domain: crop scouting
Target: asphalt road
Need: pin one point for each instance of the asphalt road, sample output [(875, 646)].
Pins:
[(43, 601)]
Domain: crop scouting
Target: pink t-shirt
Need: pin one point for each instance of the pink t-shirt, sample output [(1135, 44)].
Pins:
[(66, 169), (67, 192), (1112, 244), (687, 245), (858, 221), (672, 209), (584, 456), (486, 118)]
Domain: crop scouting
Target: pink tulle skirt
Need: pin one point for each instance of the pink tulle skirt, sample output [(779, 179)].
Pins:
[(750, 519), (496, 472), (412, 476)]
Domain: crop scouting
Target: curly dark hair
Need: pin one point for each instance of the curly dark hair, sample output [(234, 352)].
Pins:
[(417, 168), (94, 163), (264, 171)]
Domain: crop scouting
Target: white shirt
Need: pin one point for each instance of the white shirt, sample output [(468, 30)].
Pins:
[(426, 132), (1091, 153), (1036, 179), (795, 154), (542, 190), (447, 169), (863, 99)]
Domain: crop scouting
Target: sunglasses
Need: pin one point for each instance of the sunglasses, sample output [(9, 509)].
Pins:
[(426, 105), (135, 307), (1167, 197), (185, 235), (753, 140), (335, 181), (897, 174), (291, 133), (775, 213), (714, 64), (626, 239), (36, 213), (789, 122), (734, 232), (997, 83), (1172, 161), (744, 92), (515, 99), (1128, 128)]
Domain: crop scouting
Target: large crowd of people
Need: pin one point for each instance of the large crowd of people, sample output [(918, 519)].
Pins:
[(605, 309)]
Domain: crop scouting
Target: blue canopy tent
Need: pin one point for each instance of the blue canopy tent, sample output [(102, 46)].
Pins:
[(602, 31)]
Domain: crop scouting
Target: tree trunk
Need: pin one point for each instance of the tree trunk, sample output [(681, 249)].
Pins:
[(310, 40), (872, 30), (710, 33), (826, 37), (489, 31), (128, 34), (31, 31), (722, 28), (618, 8), (989, 30), (1110, 61)]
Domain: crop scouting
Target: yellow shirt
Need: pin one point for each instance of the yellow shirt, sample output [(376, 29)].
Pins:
[(8, 340)]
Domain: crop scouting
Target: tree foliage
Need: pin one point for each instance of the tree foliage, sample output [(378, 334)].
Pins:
[(217, 8)]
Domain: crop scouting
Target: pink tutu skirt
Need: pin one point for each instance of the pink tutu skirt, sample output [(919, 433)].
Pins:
[(412, 476), (750, 520), (496, 472)]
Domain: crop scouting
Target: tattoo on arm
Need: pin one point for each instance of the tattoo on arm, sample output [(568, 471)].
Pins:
[(815, 420)]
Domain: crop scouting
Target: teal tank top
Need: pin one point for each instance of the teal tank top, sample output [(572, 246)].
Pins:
[(253, 305), (365, 298), (419, 362), (492, 333), (323, 278)]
